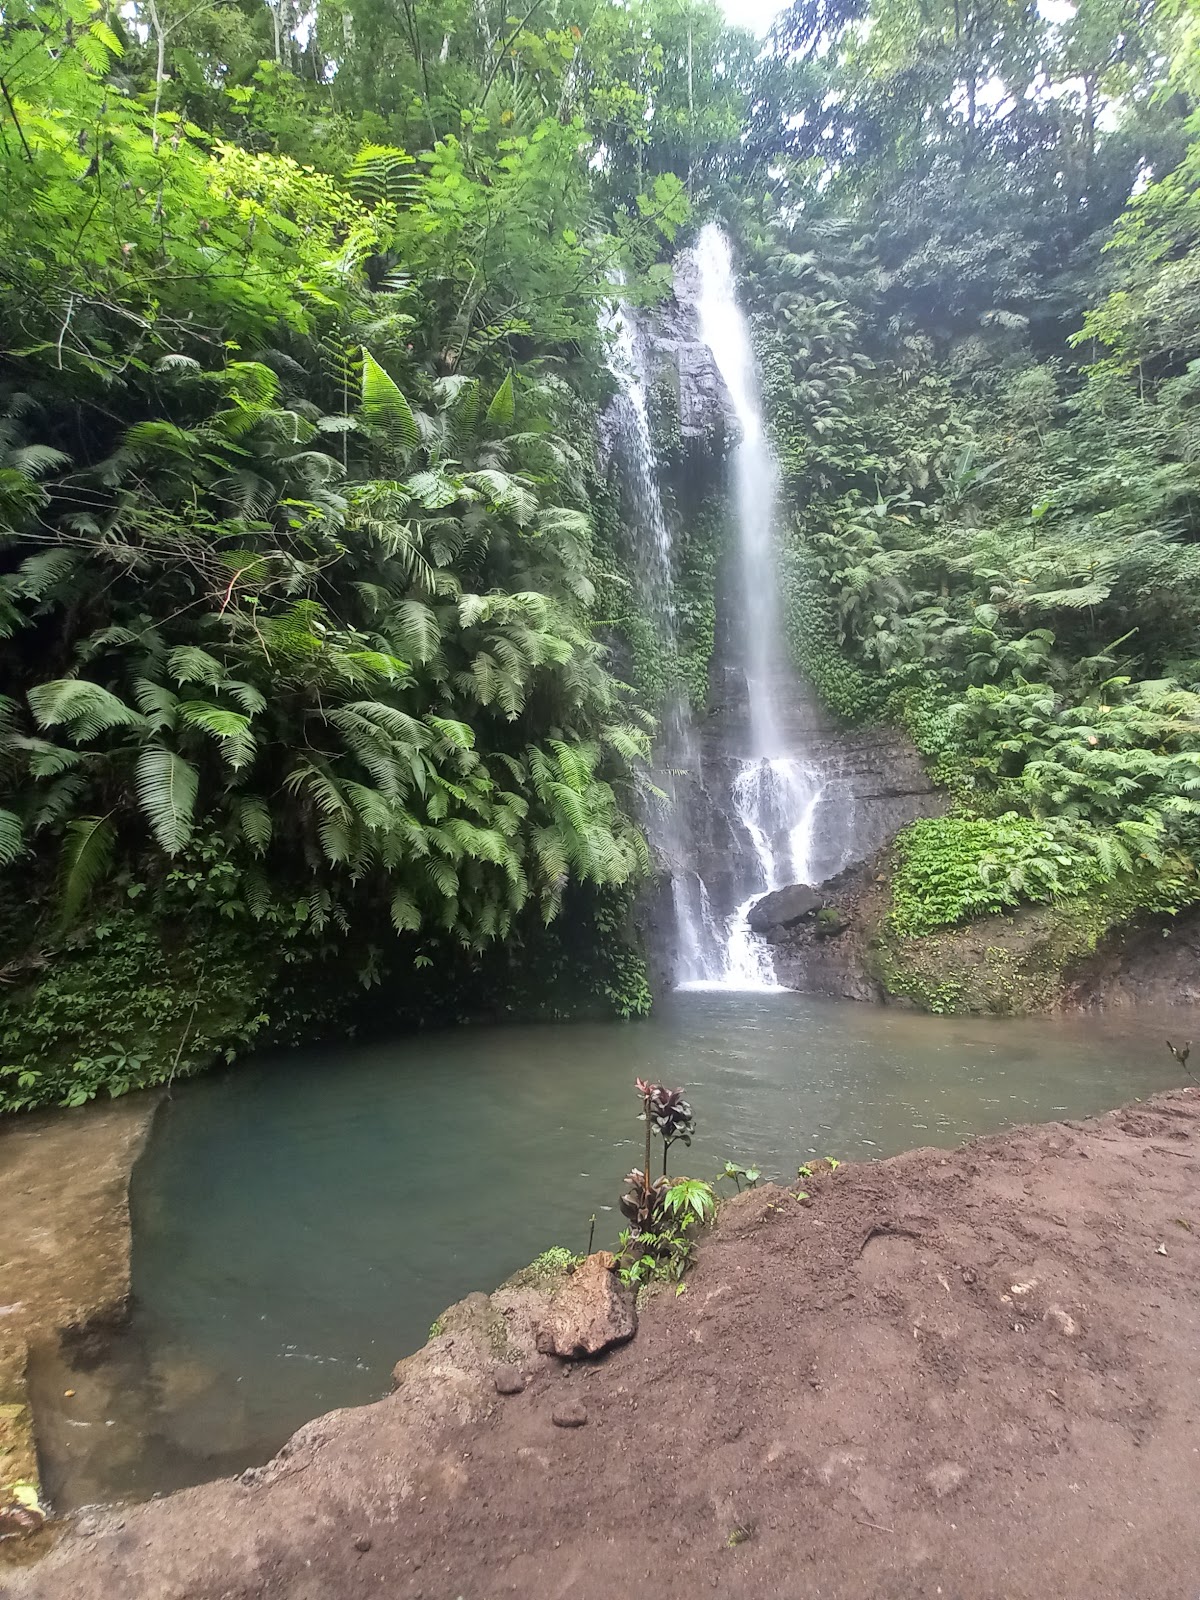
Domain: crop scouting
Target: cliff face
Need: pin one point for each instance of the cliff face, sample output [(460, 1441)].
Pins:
[(1155, 964), (872, 781)]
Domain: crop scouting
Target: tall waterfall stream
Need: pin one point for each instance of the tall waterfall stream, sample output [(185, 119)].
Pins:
[(775, 792)]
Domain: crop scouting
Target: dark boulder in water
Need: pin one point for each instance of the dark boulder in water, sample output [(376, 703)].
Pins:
[(782, 908)]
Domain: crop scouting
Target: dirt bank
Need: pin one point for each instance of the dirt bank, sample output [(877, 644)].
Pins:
[(64, 1248), (972, 1375)]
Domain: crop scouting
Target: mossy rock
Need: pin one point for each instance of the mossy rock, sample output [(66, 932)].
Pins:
[(1009, 965), (546, 1272)]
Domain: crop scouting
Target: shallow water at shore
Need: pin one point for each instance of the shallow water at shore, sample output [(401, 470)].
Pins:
[(300, 1220)]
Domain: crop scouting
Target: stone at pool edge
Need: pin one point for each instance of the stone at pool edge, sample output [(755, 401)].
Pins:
[(592, 1311)]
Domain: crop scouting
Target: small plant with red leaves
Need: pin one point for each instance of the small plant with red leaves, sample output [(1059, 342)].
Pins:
[(662, 1213)]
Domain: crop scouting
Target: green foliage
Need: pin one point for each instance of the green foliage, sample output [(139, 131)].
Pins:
[(663, 1213), (297, 565), (123, 1010), (981, 357), (733, 1171), (690, 1197), (949, 869), (308, 583)]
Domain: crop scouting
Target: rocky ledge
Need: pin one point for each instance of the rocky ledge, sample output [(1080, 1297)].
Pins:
[(833, 938), (64, 1258)]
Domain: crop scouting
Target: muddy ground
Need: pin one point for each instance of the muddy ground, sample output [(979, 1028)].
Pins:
[(972, 1375)]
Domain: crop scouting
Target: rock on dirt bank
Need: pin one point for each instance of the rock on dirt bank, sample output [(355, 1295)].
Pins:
[(974, 1375)]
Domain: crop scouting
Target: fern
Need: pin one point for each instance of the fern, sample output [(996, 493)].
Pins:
[(86, 709), (86, 857), (157, 704), (166, 787), (386, 409), (12, 842), (406, 918), (415, 630), (231, 730), (382, 175), (501, 411), (254, 820)]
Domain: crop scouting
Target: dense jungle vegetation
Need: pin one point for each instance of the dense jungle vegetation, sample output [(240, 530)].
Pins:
[(981, 334), (306, 589)]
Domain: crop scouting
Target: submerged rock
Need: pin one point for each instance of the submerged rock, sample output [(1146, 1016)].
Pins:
[(592, 1311), (783, 907)]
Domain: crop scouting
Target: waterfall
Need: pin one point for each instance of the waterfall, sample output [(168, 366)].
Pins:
[(668, 827), (768, 802), (775, 795)]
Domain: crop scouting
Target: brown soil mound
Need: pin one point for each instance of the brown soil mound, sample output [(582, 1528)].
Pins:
[(973, 1375)]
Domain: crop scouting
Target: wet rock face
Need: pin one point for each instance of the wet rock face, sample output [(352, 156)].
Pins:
[(828, 952), (591, 1312), (1155, 963)]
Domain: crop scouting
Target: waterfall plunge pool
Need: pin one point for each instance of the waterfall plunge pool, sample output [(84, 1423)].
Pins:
[(300, 1220)]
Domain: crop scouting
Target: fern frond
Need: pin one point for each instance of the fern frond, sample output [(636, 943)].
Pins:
[(230, 729), (406, 918), (386, 409), (415, 630), (86, 708), (254, 820), (12, 841), (189, 664), (86, 857), (166, 789), (503, 407)]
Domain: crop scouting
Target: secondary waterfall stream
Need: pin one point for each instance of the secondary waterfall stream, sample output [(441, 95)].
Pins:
[(677, 756)]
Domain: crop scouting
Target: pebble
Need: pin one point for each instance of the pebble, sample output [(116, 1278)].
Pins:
[(1062, 1322), (509, 1380), (945, 1478), (571, 1414), (363, 1543)]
